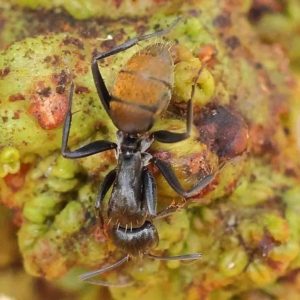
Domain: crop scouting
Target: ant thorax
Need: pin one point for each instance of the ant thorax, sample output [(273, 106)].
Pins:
[(129, 144)]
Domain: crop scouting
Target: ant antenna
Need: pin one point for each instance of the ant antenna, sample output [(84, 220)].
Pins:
[(68, 68), (180, 257), (86, 277), (196, 79), (162, 32)]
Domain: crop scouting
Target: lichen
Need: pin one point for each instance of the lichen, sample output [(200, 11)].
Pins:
[(245, 223)]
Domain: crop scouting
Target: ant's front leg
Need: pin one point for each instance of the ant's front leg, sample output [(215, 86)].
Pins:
[(87, 150), (165, 136), (171, 178)]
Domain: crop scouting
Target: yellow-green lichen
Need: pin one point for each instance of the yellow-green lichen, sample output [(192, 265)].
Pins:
[(254, 204), (9, 161), (233, 262)]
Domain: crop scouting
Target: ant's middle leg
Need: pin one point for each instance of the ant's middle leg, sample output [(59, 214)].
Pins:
[(99, 82), (87, 150), (150, 192), (171, 178), (105, 186), (150, 198), (165, 136), (173, 208)]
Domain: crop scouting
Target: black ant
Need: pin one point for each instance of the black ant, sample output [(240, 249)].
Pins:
[(141, 92)]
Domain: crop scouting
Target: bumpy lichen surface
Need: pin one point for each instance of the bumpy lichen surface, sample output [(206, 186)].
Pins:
[(245, 223), (279, 22)]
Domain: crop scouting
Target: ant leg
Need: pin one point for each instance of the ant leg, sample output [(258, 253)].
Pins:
[(87, 150), (105, 186), (100, 86), (150, 192), (194, 256), (173, 208), (165, 136), (99, 82), (86, 277), (134, 41), (171, 178)]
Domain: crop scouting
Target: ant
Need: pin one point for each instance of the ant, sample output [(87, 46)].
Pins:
[(141, 92)]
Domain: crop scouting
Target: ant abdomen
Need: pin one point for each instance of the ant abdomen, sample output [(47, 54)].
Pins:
[(142, 89), (135, 241)]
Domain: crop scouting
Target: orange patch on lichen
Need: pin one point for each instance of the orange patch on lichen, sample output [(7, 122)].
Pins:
[(16, 181), (207, 54), (196, 163), (49, 111)]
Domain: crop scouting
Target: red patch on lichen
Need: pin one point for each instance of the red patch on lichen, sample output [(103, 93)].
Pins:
[(196, 164), (17, 218), (222, 21), (160, 1), (16, 97), (4, 72), (16, 181), (61, 78), (73, 41), (81, 67), (101, 235), (16, 115), (49, 111), (117, 3), (81, 89), (261, 140), (108, 45), (223, 132)]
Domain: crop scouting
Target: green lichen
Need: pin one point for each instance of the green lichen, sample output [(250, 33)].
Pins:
[(38, 209), (233, 262), (282, 27), (245, 225), (9, 161), (188, 71)]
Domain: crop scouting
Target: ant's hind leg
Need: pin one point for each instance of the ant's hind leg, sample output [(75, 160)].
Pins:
[(173, 181), (87, 276), (165, 136), (134, 41), (87, 150), (174, 208), (105, 186)]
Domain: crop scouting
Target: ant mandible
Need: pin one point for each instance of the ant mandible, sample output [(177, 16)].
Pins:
[(141, 92)]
